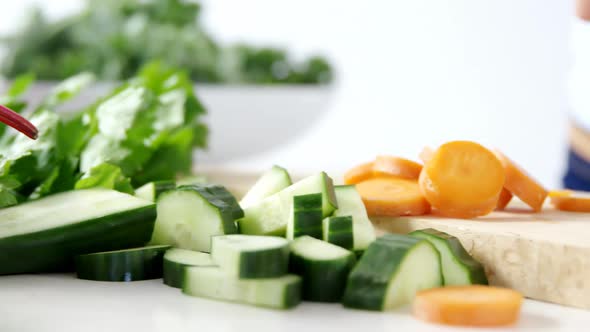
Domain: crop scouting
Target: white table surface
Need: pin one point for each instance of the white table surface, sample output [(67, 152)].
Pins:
[(57, 302)]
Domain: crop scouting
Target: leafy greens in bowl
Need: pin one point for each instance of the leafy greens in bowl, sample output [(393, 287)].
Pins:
[(114, 38)]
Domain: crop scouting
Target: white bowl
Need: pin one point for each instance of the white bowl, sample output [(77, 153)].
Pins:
[(243, 120)]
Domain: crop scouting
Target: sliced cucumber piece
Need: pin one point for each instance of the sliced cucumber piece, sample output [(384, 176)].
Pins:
[(338, 231), (151, 190), (176, 260), (122, 265), (212, 282), (391, 271), (251, 256), (46, 234), (306, 216), (324, 268), (270, 216), (351, 204), (189, 215), (458, 267), (219, 192), (271, 182)]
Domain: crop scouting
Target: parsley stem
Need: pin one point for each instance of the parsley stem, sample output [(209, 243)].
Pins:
[(17, 122)]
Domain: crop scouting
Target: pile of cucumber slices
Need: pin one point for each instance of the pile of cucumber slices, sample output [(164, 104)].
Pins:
[(284, 242)]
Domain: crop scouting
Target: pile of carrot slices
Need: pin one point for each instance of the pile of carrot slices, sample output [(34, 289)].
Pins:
[(460, 179)]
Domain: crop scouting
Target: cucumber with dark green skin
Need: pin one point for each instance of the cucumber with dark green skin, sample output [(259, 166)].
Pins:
[(212, 282), (270, 216), (270, 183), (177, 260), (189, 215), (458, 267), (390, 272), (306, 216), (214, 192), (338, 231), (351, 204), (122, 265), (251, 256), (152, 190), (323, 267), (46, 234)]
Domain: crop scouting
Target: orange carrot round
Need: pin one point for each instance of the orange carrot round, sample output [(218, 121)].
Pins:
[(504, 199), (462, 179), (567, 200), (475, 305), (359, 173), (521, 184), (392, 197), (386, 166)]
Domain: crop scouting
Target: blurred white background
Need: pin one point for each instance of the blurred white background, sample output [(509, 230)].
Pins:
[(411, 73)]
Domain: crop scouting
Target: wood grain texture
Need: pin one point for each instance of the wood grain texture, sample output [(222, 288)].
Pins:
[(546, 255)]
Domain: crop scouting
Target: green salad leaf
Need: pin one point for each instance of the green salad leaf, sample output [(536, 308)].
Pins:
[(20, 85), (106, 176), (146, 129), (68, 89)]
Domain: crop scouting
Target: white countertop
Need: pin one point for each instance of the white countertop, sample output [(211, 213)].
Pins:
[(39, 303)]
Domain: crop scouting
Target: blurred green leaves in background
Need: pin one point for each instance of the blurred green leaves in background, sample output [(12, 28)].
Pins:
[(114, 38)]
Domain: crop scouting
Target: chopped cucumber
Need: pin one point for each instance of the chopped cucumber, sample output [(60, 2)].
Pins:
[(306, 216), (351, 204), (151, 190), (270, 216), (212, 282), (176, 260), (271, 182), (46, 234), (189, 215), (324, 268), (122, 265), (214, 192), (391, 271), (251, 256), (338, 231), (458, 267)]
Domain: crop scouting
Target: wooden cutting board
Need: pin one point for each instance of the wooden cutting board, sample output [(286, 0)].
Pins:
[(546, 255)]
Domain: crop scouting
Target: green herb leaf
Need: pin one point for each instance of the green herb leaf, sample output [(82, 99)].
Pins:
[(173, 157), (7, 197), (106, 176), (68, 89), (20, 85)]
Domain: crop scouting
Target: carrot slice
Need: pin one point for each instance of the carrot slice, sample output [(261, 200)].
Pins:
[(392, 197), (567, 200), (504, 199), (474, 305), (426, 154), (385, 166), (521, 184), (462, 179), (359, 173)]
